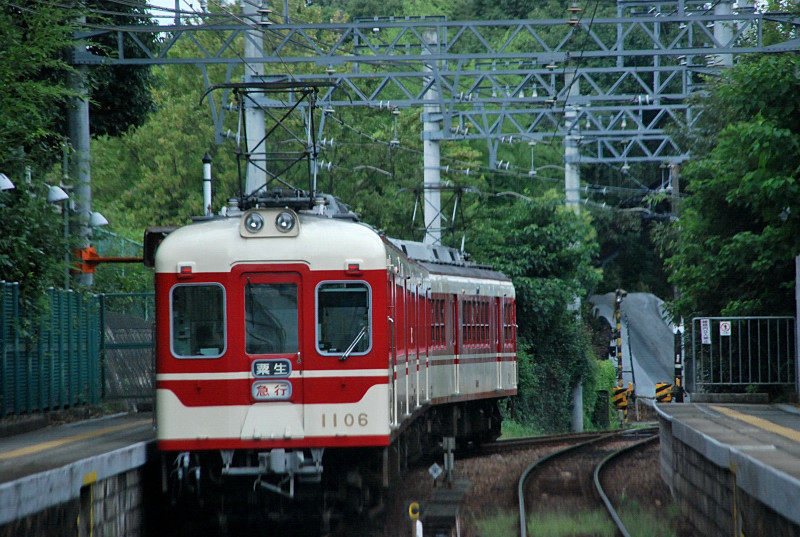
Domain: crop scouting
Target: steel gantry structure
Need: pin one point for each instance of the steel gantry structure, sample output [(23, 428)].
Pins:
[(614, 82), (609, 88)]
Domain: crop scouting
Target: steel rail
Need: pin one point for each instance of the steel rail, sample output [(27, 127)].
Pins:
[(523, 532), (611, 511)]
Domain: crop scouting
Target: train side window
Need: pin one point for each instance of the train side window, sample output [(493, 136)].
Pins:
[(197, 313), (343, 318), (270, 318)]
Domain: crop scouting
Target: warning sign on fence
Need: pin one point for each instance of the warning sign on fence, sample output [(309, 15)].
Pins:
[(705, 331), (725, 328)]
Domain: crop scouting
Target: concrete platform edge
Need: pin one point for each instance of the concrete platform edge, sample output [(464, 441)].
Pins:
[(752, 476), (37, 492)]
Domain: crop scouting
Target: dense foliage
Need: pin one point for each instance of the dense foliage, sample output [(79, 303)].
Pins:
[(33, 75), (733, 250), (32, 78), (120, 94), (33, 246), (547, 250), (35, 40)]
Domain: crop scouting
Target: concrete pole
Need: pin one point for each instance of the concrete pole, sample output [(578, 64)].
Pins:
[(431, 134), (207, 184), (573, 199), (571, 148), (723, 33), (254, 117), (80, 163)]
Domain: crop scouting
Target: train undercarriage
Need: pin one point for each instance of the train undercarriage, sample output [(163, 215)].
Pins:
[(316, 489)]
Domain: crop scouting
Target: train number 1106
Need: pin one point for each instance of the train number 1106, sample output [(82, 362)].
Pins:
[(347, 420)]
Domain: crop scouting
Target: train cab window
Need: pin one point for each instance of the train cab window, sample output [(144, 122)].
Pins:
[(197, 312), (343, 320), (270, 318)]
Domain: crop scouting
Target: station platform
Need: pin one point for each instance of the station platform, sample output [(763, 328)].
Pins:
[(739, 463), (46, 467)]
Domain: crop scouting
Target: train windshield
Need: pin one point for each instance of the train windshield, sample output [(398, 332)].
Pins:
[(270, 317), (343, 321), (198, 320)]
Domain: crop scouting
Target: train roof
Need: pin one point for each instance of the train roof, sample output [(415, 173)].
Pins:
[(321, 242), (445, 261), (324, 236)]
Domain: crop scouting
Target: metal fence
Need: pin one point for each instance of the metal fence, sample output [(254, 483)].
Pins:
[(48, 360), (81, 349), (126, 349), (737, 352)]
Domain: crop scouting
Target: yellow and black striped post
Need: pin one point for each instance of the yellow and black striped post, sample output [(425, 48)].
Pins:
[(620, 400), (663, 392), (618, 296), (678, 389)]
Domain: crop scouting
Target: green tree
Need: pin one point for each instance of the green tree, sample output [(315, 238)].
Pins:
[(32, 245), (733, 250), (628, 255), (152, 174), (120, 94), (34, 40), (547, 250), (33, 36)]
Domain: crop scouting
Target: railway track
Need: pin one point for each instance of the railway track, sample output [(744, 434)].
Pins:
[(528, 442), (569, 480)]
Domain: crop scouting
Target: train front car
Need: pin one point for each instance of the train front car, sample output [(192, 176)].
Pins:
[(270, 351)]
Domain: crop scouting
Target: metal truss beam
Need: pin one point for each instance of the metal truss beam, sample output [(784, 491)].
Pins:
[(494, 79)]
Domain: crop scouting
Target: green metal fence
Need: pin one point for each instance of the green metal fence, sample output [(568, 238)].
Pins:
[(82, 350), (48, 361)]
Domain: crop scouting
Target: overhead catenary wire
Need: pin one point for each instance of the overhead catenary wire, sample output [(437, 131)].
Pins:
[(471, 168)]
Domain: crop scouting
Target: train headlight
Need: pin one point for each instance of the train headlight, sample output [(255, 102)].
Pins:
[(285, 221), (253, 222)]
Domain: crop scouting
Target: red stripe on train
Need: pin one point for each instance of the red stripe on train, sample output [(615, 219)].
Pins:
[(237, 443), (197, 393)]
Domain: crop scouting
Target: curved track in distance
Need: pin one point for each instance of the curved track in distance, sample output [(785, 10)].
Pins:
[(564, 480)]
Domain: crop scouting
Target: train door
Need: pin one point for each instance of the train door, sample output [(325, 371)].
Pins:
[(427, 327), (498, 326), (273, 335), (407, 305), (458, 338), (391, 295)]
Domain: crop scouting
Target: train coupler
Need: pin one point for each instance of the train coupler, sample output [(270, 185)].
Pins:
[(279, 470)]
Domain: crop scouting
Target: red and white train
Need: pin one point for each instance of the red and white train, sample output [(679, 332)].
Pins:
[(294, 345)]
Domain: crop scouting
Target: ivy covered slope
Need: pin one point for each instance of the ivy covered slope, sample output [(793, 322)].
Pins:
[(547, 250)]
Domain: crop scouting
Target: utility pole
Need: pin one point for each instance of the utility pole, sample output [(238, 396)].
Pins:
[(255, 143), (571, 144), (431, 161), (573, 198), (80, 163)]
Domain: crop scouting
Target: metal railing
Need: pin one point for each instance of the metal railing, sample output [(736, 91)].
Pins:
[(47, 360), (126, 346), (742, 351)]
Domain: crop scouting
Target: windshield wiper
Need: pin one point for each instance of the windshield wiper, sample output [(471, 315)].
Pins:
[(352, 346)]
